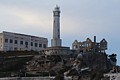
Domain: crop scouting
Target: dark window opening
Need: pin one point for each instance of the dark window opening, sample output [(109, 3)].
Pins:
[(44, 45), (6, 40), (31, 43), (35, 44), (21, 42), (26, 43), (16, 42), (58, 36), (76, 46), (40, 45), (15, 48), (11, 41)]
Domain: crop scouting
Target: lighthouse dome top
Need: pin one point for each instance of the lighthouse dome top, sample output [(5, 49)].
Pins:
[(57, 8)]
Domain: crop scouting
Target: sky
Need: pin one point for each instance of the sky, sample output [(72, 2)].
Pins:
[(79, 19)]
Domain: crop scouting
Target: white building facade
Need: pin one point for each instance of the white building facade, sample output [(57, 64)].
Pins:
[(21, 42)]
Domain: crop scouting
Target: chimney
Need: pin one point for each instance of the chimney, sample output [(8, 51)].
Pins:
[(94, 39)]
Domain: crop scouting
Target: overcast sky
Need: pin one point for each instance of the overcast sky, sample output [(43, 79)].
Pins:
[(79, 19)]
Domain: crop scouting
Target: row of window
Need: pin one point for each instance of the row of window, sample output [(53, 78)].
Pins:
[(83, 45), (26, 43)]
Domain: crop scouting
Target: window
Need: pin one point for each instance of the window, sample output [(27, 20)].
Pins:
[(76, 46), (6, 40), (44, 45), (87, 45), (21, 42), (58, 36), (26, 43), (16, 42), (31, 43), (11, 41), (40, 45), (35, 44), (15, 48)]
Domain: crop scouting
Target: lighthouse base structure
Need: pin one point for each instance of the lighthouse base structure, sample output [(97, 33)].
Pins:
[(55, 42), (56, 51)]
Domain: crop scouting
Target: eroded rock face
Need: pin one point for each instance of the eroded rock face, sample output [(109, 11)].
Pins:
[(86, 66), (44, 63)]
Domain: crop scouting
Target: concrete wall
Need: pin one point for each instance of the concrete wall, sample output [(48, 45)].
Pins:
[(31, 78), (21, 42), (26, 78)]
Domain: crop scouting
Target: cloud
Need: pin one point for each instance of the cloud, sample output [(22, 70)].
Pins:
[(13, 16)]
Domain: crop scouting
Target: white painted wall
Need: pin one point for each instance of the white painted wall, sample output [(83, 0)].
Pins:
[(56, 41), (27, 39)]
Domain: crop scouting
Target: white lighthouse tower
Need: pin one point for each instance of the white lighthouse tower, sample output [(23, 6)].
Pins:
[(56, 44), (56, 41)]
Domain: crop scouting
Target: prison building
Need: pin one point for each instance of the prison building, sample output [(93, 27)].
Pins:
[(10, 41), (90, 45)]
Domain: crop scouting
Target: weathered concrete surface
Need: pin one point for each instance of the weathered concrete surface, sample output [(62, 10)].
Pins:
[(26, 78), (32, 78)]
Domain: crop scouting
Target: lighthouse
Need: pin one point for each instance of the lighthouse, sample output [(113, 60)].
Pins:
[(56, 41)]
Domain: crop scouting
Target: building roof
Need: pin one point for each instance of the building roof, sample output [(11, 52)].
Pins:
[(23, 35)]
